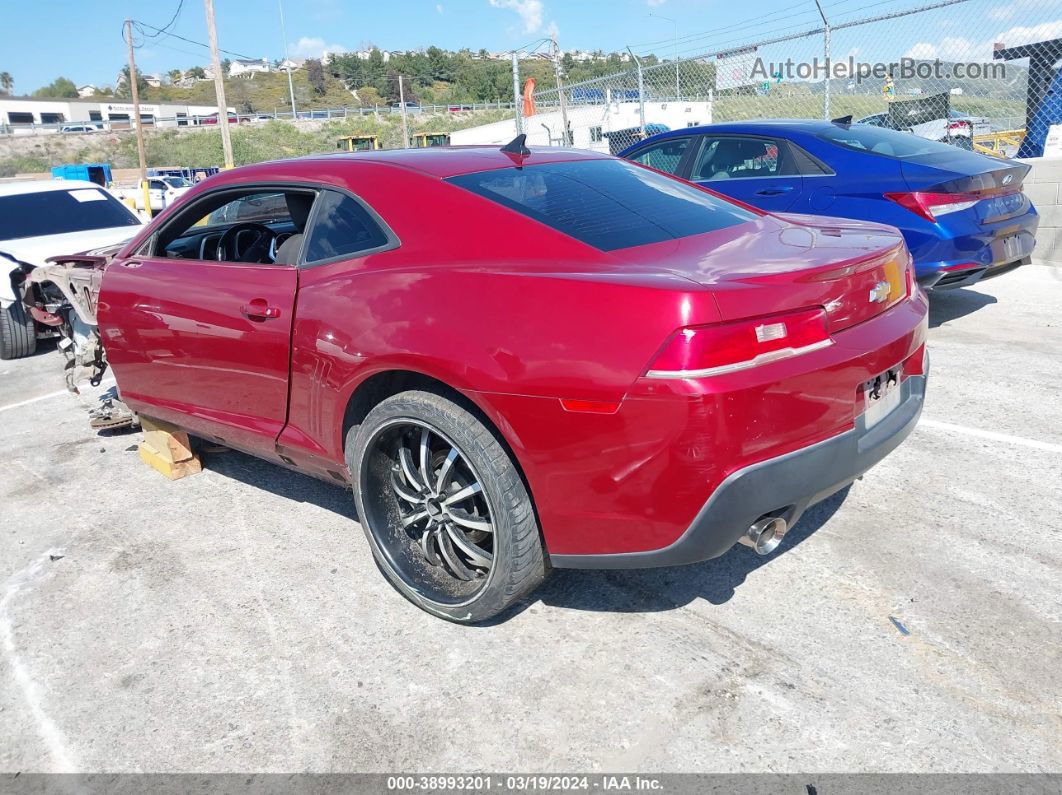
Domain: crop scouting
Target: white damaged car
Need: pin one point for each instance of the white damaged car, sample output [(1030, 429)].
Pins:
[(42, 219)]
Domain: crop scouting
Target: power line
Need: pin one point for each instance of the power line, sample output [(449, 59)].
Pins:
[(191, 41), (709, 40), (738, 25), (168, 25)]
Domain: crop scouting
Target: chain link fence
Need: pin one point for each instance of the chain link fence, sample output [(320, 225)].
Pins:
[(979, 74)]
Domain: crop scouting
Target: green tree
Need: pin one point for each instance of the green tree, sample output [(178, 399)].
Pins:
[(60, 87), (175, 75), (197, 72), (7, 82), (316, 76), (226, 65), (123, 89)]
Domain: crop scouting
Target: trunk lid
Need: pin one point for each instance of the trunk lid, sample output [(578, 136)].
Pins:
[(997, 181), (853, 269)]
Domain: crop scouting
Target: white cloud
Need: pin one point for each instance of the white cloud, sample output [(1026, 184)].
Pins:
[(1001, 12), (530, 12), (552, 30), (949, 48), (959, 48), (654, 3), (1017, 36), (438, 8), (312, 47)]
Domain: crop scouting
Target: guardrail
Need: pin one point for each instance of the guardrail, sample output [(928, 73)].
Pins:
[(210, 121)]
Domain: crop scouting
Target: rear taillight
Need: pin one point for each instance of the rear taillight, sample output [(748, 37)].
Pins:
[(958, 125), (932, 205), (701, 351)]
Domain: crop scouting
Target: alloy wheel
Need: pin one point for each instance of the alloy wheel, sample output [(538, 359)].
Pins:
[(438, 530)]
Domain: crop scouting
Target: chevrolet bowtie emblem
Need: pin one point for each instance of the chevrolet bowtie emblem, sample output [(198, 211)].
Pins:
[(879, 292)]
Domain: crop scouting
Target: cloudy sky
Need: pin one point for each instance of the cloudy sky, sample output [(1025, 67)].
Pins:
[(964, 31)]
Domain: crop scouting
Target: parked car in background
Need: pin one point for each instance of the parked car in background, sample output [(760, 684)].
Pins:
[(653, 374), (79, 128), (958, 129), (42, 219), (233, 119), (963, 214), (162, 191)]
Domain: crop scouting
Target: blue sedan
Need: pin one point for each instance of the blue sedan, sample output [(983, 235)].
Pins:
[(963, 214)]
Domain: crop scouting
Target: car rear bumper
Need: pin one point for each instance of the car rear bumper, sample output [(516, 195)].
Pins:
[(966, 277), (784, 486), (962, 258)]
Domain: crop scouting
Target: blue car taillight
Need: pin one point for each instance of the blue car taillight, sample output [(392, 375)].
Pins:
[(931, 205)]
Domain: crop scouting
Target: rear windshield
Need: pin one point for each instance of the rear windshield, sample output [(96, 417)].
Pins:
[(882, 141), (608, 204), (56, 212)]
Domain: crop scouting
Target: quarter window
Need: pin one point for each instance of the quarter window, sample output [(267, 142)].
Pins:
[(342, 227)]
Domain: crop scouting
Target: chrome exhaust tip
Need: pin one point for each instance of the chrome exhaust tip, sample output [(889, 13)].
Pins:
[(764, 535)]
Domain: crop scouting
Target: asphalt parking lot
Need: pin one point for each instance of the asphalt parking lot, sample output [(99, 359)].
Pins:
[(234, 620)]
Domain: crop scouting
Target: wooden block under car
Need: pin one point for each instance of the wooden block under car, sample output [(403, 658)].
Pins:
[(167, 449)]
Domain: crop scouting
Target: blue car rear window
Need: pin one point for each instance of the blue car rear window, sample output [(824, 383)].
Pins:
[(608, 204), (880, 141)]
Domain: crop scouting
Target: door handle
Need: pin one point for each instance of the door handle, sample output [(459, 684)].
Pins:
[(258, 308), (774, 191)]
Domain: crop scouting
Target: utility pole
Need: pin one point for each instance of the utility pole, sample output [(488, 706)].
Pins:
[(405, 123), (219, 85), (565, 138), (678, 89), (287, 58), (826, 53), (641, 91), (136, 116), (516, 93)]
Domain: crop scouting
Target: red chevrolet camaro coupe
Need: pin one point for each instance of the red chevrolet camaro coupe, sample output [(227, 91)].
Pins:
[(520, 360)]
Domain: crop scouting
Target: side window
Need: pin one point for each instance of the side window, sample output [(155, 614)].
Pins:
[(741, 158), (341, 227), (247, 226), (663, 155), (157, 184)]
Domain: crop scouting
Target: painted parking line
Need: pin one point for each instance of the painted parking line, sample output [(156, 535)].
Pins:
[(48, 396), (991, 436)]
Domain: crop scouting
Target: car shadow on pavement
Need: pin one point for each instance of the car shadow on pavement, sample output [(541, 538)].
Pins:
[(278, 480), (616, 591), (947, 305), (656, 590)]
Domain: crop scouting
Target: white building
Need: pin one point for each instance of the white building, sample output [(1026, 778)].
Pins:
[(242, 66), (292, 63), (86, 90), (590, 124), (366, 54), (20, 115)]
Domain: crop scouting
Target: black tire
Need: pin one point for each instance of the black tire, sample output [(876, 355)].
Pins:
[(18, 332), (517, 564)]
